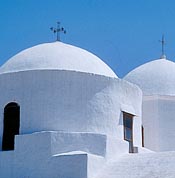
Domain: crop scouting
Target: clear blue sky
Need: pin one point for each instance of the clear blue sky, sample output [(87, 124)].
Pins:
[(123, 33)]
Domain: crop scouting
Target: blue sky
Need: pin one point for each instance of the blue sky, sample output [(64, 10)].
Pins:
[(123, 33)]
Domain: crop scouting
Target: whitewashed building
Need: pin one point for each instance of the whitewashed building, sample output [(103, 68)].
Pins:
[(65, 114), (157, 81)]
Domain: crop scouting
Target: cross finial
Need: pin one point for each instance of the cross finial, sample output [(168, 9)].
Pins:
[(57, 30), (163, 47)]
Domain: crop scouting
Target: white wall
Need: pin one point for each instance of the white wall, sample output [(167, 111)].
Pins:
[(150, 123), (167, 123), (33, 159), (63, 142), (159, 122), (6, 164), (39, 155), (70, 101)]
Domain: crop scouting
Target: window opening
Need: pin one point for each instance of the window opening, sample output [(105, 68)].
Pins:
[(128, 130), (11, 125)]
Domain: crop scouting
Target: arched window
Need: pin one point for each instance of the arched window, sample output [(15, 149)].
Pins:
[(11, 125)]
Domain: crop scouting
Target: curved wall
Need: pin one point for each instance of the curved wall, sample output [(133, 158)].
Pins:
[(70, 101)]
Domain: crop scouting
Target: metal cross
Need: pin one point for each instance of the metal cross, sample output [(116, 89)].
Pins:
[(57, 30), (163, 45)]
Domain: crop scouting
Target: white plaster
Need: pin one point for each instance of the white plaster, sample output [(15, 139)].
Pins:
[(116, 148), (57, 56), (33, 157), (6, 164), (66, 101), (95, 165), (71, 113), (144, 150), (155, 77), (145, 165), (158, 122), (72, 141), (128, 109)]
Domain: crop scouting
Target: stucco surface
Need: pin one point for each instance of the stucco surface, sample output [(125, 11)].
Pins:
[(41, 155), (57, 56), (158, 122), (66, 101), (155, 77), (145, 165)]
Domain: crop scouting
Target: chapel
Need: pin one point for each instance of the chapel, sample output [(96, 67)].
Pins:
[(65, 114)]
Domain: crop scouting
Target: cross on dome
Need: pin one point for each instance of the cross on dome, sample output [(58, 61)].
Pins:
[(163, 56), (57, 30)]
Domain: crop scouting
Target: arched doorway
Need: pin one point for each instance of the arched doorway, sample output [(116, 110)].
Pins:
[(11, 125)]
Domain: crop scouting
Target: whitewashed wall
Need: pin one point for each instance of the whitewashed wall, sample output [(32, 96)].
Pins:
[(159, 122), (70, 101)]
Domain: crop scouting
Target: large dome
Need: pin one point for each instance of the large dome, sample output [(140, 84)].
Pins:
[(57, 56), (155, 77)]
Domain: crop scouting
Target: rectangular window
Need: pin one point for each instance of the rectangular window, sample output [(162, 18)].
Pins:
[(128, 129)]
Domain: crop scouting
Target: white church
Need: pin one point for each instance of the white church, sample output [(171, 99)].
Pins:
[(65, 114)]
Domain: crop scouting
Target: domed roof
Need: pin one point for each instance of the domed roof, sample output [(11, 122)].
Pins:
[(155, 77), (57, 56)]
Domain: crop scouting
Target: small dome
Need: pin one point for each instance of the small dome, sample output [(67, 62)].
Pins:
[(57, 56), (155, 77)]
